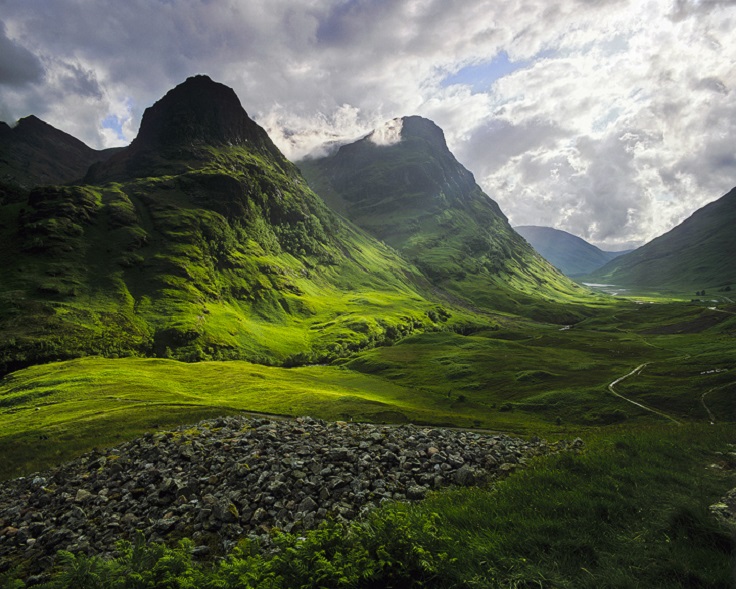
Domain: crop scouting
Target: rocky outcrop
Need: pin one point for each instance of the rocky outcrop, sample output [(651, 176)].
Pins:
[(231, 477), (725, 510)]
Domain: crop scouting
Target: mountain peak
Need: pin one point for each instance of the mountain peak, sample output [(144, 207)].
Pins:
[(34, 153), (32, 126), (32, 121), (411, 127), (198, 110), (415, 164), (416, 126), (569, 253)]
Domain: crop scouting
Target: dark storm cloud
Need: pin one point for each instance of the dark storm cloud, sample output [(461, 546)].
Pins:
[(75, 79), (18, 66)]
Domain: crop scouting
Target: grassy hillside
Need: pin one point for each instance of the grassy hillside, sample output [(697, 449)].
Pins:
[(516, 376), (572, 255), (696, 255), (416, 197), (197, 249)]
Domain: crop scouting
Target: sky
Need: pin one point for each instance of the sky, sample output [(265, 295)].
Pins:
[(611, 119)]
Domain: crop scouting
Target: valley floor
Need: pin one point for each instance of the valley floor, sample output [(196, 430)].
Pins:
[(650, 387)]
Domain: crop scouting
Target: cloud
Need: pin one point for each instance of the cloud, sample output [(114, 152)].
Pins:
[(612, 119), (614, 137), (18, 66), (388, 134)]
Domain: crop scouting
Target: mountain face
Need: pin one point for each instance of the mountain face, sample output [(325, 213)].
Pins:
[(34, 153), (198, 241), (181, 129), (403, 185), (572, 255), (697, 254)]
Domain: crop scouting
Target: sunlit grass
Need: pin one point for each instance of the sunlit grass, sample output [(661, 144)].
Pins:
[(53, 412)]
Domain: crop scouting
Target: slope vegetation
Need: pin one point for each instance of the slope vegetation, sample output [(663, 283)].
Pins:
[(404, 186)]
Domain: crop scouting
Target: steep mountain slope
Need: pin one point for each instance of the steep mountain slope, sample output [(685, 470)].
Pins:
[(569, 253), (33, 153), (403, 185), (697, 254), (199, 240)]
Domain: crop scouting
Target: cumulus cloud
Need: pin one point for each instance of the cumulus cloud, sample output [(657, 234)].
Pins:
[(613, 120)]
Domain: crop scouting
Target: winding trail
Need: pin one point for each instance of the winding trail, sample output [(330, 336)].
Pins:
[(717, 310), (634, 372), (702, 400)]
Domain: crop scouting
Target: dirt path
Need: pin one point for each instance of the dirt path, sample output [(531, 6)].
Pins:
[(717, 310), (710, 414), (634, 372), (702, 400)]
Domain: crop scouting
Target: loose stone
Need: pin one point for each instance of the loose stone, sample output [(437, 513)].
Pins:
[(223, 479)]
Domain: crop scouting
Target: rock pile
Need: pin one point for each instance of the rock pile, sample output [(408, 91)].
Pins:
[(231, 477)]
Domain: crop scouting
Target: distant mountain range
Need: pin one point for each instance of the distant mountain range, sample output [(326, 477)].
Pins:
[(698, 254), (572, 255)]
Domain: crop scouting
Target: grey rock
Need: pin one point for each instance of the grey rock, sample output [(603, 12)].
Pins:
[(82, 496), (222, 479), (416, 492), (465, 476), (308, 505)]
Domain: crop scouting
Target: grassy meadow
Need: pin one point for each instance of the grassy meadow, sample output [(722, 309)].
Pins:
[(630, 510), (510, 375)]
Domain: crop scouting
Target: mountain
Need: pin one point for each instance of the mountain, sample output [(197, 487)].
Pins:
[(200, 240), (33, 153), (572, 255), (182, 128), (697, 254), (402, 184)]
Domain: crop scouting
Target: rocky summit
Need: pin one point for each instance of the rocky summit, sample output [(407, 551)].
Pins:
[(223, 479), (198, 113)]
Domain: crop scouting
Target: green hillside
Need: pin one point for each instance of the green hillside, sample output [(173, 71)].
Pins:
[(194, 274), (518, 376), (569, 253), (696, 255), (199, 241), (416, 197)]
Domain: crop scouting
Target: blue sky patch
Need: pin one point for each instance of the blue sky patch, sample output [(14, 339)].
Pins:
[(480, 77), (116, 124)]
